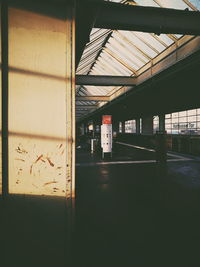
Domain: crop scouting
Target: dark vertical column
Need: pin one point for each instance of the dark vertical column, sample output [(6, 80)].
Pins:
[(115, 128), (82, 129), (86, 128), (137, 126), (94, 128), (4, 60), (123, 127), (162, 123), (161, 148), (147, 125)]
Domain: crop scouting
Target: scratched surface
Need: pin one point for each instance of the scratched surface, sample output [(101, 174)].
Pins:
[(37, 167)]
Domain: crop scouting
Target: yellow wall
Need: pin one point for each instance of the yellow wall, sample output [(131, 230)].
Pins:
[(37, 104), (0, 116)]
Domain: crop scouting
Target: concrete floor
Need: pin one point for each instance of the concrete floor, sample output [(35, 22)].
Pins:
[(33, 232), (128, 213), (136, 214)]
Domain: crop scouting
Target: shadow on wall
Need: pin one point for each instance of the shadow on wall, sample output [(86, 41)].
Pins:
[(48, 8)]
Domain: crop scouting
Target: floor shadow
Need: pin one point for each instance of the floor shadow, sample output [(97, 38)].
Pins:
[(34, 231), (136, 215)]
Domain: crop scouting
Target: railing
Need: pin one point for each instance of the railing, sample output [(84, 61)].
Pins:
[(188, 144)]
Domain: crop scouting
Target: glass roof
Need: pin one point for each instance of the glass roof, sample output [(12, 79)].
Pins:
[(123, 53)]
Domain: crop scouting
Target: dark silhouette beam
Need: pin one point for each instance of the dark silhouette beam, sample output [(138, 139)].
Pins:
[(117, 16), (93, 98), (99, 80)]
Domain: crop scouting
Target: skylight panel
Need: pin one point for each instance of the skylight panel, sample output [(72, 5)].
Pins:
[(84, 70), (94, 44), (98, 33), (115, 63), (176, 4), (147, 3), (91, 50), (85, 63), (121, 54), (167, 40), (195, 3), (93, 90), (108, 68), (121, 45), (150, 41), (146, 49), (100, 68)]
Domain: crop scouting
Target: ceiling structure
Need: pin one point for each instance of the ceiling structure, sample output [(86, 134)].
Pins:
[(112, 58)]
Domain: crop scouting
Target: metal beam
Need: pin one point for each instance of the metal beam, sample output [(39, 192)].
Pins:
[(85, 107), (84, 25), (80, 112), (147, 19), (93, 98), (98, 80)]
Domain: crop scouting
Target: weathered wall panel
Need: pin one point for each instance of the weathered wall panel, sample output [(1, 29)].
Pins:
[(37, 104)]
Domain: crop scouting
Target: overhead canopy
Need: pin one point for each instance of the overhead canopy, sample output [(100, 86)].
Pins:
[(127, 54)]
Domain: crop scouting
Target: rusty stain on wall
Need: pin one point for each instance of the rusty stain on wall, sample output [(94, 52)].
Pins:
[(37, 167)]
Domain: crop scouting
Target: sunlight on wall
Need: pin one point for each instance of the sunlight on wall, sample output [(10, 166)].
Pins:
[(0, 118), (37, 104)]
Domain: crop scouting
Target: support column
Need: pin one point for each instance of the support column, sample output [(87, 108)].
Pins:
[(115, 128), (161, 146), (137, 121), (94, 128), (82, 129), (123, 127), (85, 128), (162, 123), (41, 94), (147, 125), (41, 111)]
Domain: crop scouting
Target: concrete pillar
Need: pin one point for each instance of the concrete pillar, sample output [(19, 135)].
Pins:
[(115, 127), (40, 121), (147, 125), (161, 146), (85, 128), (41, 104), (94, 128), (162, 123), (82, 129), (97, 128), (123, 127), (137, 121)]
